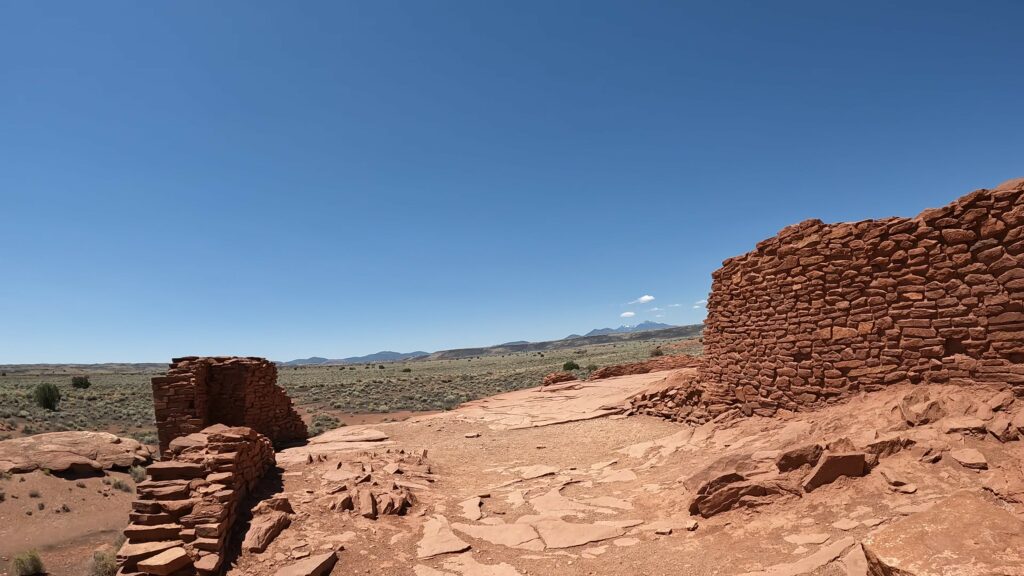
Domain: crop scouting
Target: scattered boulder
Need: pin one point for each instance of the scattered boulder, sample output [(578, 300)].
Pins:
[(966, 533), (1002, 428), (969, 458), (799, 457), (833, 466), (734, 491), (263, 529)]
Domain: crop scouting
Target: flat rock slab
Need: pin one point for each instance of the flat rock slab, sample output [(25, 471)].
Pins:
[(438, 539), (562, 534), (965, 534), (808, 564), (568, 402), (71, 451), (804, 539), (344, 439), (312, 566), (969, 458), (511, 535), (166, 563)]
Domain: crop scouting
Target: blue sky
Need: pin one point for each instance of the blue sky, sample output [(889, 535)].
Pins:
[(336, 178)]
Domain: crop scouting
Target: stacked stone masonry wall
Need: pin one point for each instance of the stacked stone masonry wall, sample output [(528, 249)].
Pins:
[(823, 311), (199, 391), (186, 507)]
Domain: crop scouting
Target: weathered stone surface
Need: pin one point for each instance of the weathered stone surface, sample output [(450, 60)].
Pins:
[(966, 533), (71, 451), (833, 466), (562, 534), (511, 535), (963, 425), (312, 566)]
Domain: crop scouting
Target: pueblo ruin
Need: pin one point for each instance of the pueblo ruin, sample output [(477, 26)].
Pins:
[(858, 399)]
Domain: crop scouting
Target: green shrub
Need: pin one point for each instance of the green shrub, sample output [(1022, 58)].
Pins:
[(657, 352), (138, 473), (47, 396), (570, 365), (591, 367), (80, 382), (406, 369), (104, 563), (27, 564), (322, 423), (121, 485), (34, 494)]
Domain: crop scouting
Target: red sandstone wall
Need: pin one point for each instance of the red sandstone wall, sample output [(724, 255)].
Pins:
[(183, 516), (199, 391), (822, 311)]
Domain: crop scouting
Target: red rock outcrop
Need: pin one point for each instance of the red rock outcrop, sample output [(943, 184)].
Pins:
[(235, 391), (74, 452), (558, 378), (822, 311), (187, 506), (656, 364)]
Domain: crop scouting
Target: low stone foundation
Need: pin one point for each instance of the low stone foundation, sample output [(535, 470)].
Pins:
[(186, 508)]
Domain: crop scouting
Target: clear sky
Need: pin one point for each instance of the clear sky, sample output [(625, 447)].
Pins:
[(288, 179)]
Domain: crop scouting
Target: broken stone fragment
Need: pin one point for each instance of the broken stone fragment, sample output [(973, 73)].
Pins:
[(969, 458), (798, 457), (963, 425), (438, 539), (313, 566), (966, 533), (833, 466), (263, 529)]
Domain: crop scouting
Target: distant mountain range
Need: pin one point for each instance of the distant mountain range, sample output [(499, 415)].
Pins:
[(384, 356), (641, 327), (641, 331)]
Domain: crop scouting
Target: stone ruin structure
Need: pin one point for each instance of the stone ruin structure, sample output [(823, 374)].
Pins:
[(823, 311), (200, 391), (218, 419), (186, 508)]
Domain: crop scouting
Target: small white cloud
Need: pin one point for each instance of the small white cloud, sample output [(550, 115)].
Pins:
[(701, 302), (674, 305), (627, 314), (643, 299), (656, 309), (697, 306), (659, 315)]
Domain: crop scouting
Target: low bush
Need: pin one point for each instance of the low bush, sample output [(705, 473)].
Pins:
[(80, 382), (570, 365), (138, 473), (657, 352), (104, 563), (47, 396), (27, 564)]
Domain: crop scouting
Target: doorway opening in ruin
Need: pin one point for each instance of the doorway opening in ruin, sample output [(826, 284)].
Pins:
[(225, 389)]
